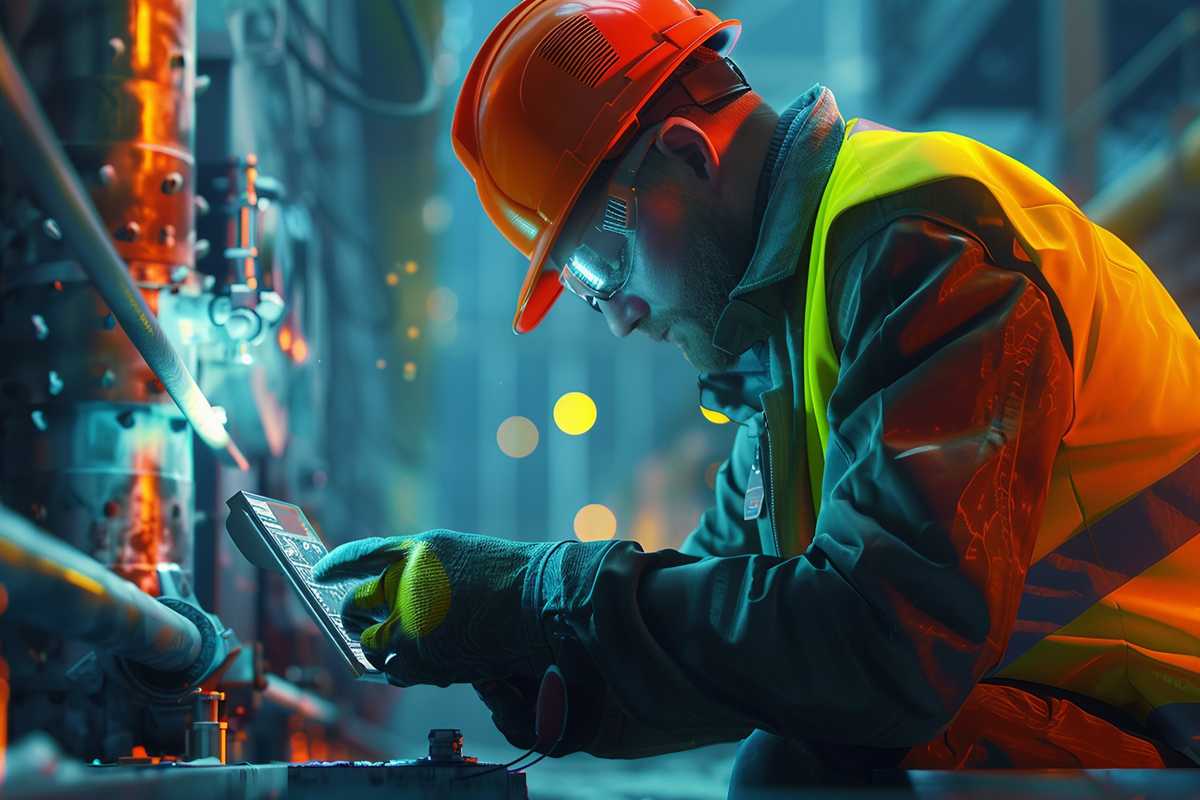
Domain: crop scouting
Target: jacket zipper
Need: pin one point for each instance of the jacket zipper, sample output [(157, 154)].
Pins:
[(770, 472)]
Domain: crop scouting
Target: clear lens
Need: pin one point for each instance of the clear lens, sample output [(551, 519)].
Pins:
[(598, 264), (568, 279), (590, 269)]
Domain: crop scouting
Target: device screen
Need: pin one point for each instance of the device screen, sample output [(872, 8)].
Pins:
[(294, 542)]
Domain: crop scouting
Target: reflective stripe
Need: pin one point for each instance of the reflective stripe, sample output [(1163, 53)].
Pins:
[(1105, 555)]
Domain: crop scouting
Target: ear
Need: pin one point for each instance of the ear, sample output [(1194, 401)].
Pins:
[(681, 138)]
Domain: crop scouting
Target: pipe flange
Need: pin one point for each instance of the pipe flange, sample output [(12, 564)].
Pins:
[(174, 686)]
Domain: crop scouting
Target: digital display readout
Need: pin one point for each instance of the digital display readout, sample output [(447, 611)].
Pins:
[(303, 548)]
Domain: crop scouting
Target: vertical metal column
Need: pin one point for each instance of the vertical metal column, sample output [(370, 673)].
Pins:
[(497, 399), (568, 480), (1072, 71), (91, 446)]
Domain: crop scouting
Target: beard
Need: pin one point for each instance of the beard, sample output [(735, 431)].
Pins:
[(718, 263)]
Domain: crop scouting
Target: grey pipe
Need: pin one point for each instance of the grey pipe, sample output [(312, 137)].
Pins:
[(54, 587), (35, 148)]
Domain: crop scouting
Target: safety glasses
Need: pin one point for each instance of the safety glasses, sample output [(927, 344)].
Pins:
[(599, 265)]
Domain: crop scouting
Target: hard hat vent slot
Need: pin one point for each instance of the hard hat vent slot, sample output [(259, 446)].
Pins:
[(578, 48), (616, 215)]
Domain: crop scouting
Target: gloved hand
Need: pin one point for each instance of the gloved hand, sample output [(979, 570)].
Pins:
[(595, 721), (515, 713), (443, 607)]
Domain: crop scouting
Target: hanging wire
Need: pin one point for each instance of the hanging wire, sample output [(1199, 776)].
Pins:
[(499, 767), (347, 87)]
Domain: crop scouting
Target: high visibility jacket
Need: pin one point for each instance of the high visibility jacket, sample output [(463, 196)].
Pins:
[(965, 436), (1111, 604)]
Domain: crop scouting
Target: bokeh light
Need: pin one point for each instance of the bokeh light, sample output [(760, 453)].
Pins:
[(410, 370), (437, 214), (710, 475), (410, 267), (595, 522), (413, 332), (715, 417), (575, 413), (299, 350), (517, 437), (442, 304), (393, 278), (381, 363)]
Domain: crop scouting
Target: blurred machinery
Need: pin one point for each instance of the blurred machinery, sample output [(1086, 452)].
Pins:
[(95, 449), (136, 281)]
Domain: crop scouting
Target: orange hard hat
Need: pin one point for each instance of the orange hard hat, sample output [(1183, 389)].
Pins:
[(554, 88)]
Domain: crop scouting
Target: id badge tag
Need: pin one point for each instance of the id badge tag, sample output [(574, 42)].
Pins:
[(755, 493)]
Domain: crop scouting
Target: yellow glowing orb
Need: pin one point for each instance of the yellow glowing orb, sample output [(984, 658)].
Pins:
[(410, 370), (575, 413), (392, 279), (595, 523), (715, 417), (517, 437)]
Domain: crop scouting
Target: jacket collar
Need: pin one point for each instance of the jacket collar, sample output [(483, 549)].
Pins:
[(799, 161)]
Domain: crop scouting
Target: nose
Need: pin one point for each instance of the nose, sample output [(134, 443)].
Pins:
[(623, 313)]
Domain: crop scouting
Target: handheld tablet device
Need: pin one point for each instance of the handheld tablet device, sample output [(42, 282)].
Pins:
[(275, 535)]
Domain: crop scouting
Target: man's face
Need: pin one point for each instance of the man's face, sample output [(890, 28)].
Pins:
[(685, 260)]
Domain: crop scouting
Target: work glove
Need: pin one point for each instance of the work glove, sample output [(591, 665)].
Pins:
[(443, 607), (594, 722), (563, 726)]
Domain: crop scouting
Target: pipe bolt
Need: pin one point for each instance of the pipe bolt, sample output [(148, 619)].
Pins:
[(108, 379), (39, 420), (166, 236), (117, 45), (129, 232), (40, 329), (201, 205), (108, 175), (51, 229), (172, 183), (202, 248), (56, 384)]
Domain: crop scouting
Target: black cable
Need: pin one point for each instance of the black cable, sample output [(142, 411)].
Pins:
[(342, 89), (499, 767), (535, 762)]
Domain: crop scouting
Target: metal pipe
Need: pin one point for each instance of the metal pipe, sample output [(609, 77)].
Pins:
[(363, 735), (34, 146), (1134, 204), (56, 588), (286, 694), (1173, 38)]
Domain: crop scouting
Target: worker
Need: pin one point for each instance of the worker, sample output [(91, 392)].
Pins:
[(957, 527)]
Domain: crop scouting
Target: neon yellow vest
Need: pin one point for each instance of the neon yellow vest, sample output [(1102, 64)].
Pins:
[(1136, 425)]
